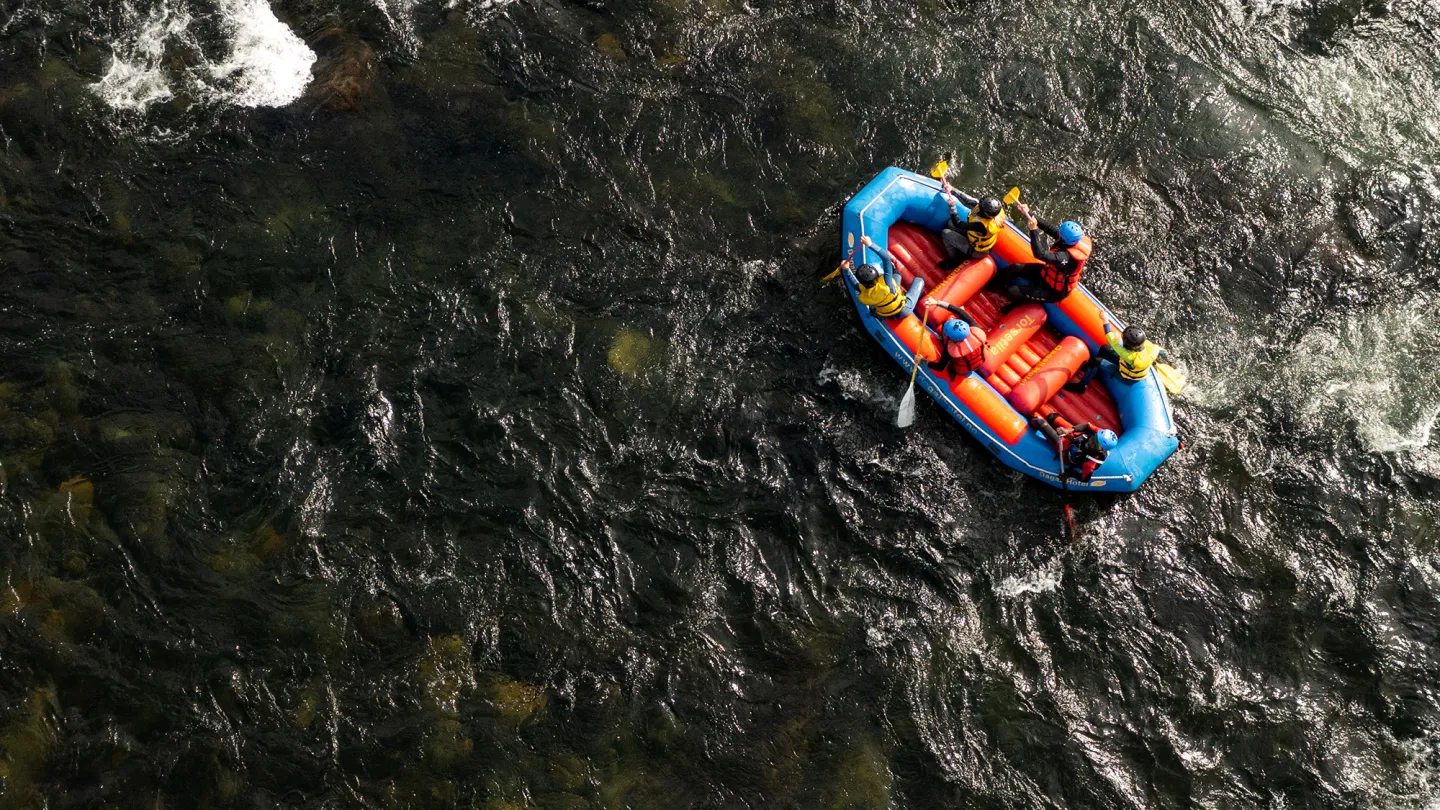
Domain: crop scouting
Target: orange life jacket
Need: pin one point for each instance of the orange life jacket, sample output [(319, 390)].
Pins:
[(1060, 281), (966, 355)]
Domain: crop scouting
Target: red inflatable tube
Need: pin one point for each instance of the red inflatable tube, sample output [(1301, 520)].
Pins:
[(1010, 334), (1046, 379), (990, 408), (1086, 314), (912, 334), (961, 285)]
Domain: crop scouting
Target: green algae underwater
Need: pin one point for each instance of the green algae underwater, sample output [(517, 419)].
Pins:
[(419, 404)]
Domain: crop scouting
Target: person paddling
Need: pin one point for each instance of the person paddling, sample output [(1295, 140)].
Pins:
[(1083, 447), (962, 349), (1129, 351), (1058, 271), (973, 237), (881, 289)]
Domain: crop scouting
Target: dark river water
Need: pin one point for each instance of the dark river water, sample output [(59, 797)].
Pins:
[(432, 404)]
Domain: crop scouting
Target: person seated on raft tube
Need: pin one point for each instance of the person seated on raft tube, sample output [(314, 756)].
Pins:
[(962, 348), (880, 290), (1083, 447), (973, 237), (1130, 353), (1058, 272)]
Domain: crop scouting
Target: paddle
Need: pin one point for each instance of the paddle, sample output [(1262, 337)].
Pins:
[(1172, 378), (834, 274), (942, 168), (1012, 196), (905, 417)]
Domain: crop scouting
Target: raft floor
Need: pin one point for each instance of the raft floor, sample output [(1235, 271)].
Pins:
[(917, 246)]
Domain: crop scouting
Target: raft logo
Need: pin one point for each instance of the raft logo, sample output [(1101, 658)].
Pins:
[(1001, 345)]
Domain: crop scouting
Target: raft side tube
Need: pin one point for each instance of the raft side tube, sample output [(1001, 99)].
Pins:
[(913, 335), (985, 403)]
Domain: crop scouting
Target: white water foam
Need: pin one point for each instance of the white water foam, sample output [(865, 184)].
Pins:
[(262, 63), (1379, 370), (136, 78), (1046, 580), (268, 65)]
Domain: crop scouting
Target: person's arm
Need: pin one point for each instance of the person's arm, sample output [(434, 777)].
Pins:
[(1048, 431), (1047, 228), (1043, 253), (970, 202), (892, 274), (892, 269), (953, 309)]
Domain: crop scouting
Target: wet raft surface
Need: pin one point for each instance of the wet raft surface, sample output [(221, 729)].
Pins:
[(472, 431), (918, 249)]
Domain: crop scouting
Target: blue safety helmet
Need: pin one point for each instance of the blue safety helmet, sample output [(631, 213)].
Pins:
[(956, 329), (1071, 233), (1107, 439)]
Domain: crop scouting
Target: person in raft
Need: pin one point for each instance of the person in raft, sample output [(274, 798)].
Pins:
[(974, 236), (1083, 447), (1129, 351), (1058, 272), (881, 290), (962, 348)]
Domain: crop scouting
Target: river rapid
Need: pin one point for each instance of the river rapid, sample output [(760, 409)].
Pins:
[(433, 404)]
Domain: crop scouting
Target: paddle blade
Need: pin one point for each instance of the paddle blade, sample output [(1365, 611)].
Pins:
[(1173, 378), (942, 168), (1012, 196), (905, 417)]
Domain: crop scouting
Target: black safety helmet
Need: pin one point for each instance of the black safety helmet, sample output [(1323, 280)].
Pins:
[(989, 207), (867, 273), (1133, 337)]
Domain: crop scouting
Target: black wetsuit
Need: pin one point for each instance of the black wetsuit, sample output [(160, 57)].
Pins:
[(953, 236), (1036, 289)]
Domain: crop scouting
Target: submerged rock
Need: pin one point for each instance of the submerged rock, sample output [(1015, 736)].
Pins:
[(380, 620), (629, 351), (609, 46), (446, 671), (344, 73), (26, 744), (515, 701), (78, 495), (863, 780)]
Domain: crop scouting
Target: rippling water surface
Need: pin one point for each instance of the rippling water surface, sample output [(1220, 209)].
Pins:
[(420, 404)]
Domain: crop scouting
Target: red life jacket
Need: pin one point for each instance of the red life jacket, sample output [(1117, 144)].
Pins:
[(1060, 281), (967, 355)]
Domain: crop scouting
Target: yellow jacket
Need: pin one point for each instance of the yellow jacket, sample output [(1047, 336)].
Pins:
[(1134, 363), (887, 299), (983, 242)]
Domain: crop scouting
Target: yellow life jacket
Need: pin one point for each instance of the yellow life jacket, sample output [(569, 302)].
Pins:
[(886, 299), (983, 242), (1134, 363)]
